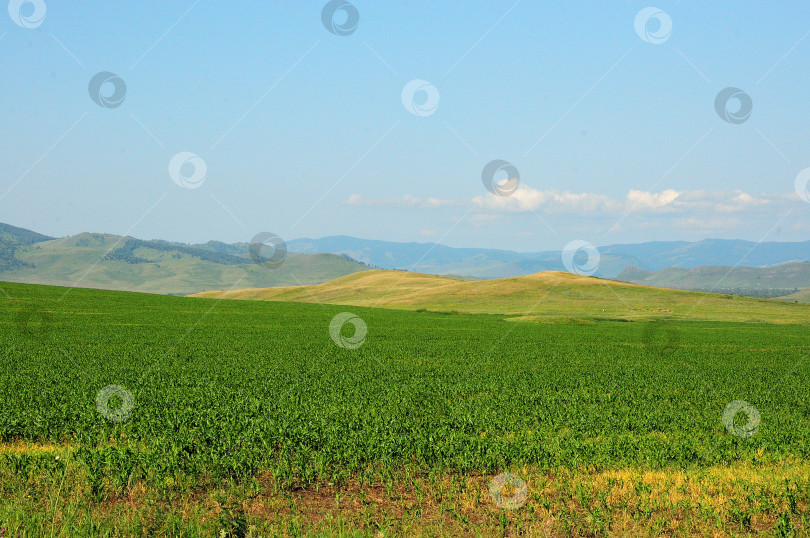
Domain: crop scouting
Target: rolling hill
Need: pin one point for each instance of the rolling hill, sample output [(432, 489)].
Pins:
[(546, 296), (157, 266), (128, 264), (801, 296)]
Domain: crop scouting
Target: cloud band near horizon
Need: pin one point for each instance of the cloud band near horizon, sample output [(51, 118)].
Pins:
[(557, 202)]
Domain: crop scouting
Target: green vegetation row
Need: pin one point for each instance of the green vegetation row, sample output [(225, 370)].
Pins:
[(126, 253)]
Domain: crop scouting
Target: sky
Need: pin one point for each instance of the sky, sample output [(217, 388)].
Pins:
[(199, 120)]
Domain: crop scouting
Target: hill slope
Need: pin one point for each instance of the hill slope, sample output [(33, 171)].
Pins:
[(542, 296), (129, 264), (21, 235), (801, 296)]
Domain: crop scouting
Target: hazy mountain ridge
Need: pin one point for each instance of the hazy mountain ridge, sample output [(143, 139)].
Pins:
[(773, 281), (432, 258), (159, 266)]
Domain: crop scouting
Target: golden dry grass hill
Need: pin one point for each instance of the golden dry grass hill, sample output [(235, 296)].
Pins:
[(546, 296)]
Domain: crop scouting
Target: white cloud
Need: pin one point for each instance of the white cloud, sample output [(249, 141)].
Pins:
[(556, 202), (653, 200), (406, 201)]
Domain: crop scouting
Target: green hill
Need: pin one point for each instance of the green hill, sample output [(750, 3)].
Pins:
[(125, 263), (20, 235), (11, 239)]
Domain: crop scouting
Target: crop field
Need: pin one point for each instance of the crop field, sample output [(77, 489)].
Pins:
[(133, 414)]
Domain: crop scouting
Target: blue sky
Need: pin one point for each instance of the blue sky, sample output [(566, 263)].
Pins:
[(303, 133)]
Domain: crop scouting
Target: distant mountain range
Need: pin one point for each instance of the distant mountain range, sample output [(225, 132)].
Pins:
[(490, 263), (156, 266), (774, 281)]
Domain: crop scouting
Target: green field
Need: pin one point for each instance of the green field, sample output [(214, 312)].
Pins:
[(248, 419)]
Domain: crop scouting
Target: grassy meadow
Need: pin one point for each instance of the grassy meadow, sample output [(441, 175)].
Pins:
[(131, 414)]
